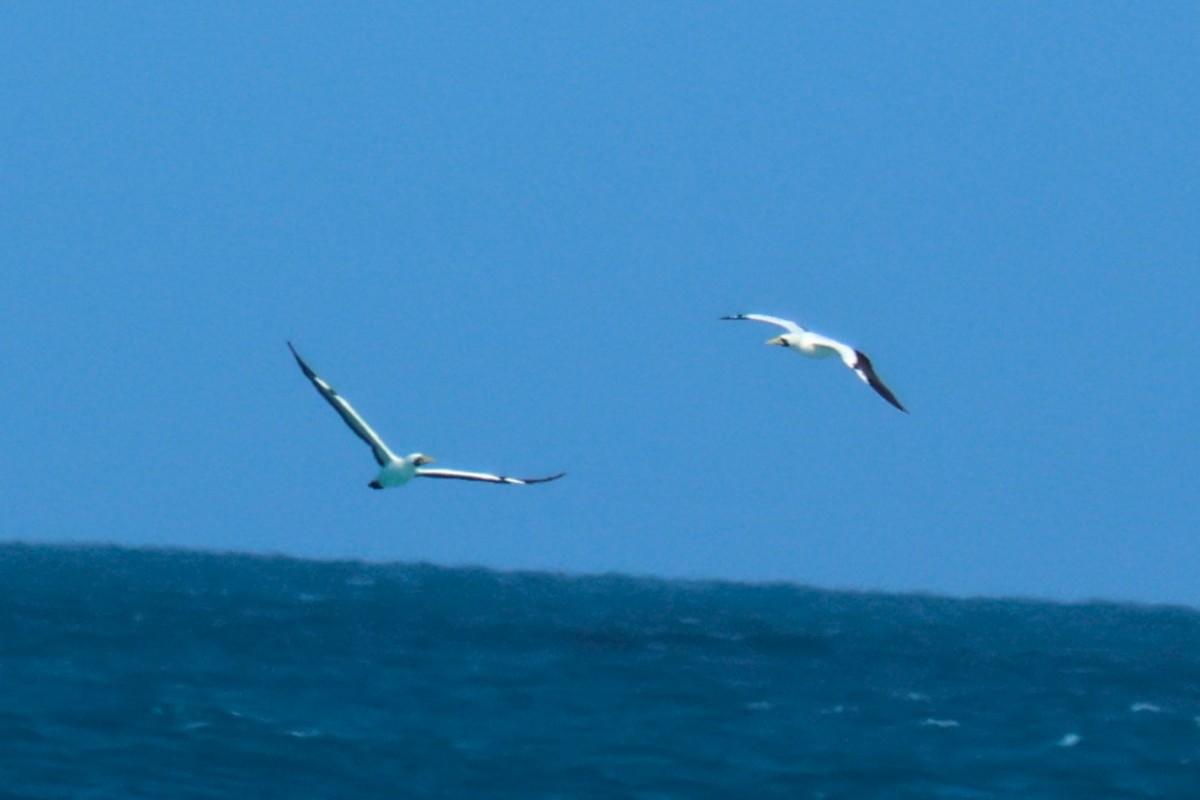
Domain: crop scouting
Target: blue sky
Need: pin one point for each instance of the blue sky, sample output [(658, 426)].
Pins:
[(505, 232)]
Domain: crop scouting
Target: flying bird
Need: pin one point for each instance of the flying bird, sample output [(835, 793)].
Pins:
[(396, 470), (814, 345)]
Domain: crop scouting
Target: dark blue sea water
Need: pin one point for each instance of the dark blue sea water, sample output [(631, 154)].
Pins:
[(150, 674)]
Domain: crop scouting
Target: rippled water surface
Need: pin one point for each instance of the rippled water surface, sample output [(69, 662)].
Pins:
[(147, 674)]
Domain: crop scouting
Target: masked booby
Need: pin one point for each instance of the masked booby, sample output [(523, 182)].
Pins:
[(814, 345), (396, 470)]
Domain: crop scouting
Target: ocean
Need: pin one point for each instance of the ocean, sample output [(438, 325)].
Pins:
[(175, 674)]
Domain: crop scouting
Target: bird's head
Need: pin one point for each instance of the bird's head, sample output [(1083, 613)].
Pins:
[(780, 341), (420, 458)]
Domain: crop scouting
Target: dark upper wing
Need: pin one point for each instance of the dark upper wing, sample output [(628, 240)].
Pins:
[(862, 365), (346, 411), (486, 477)]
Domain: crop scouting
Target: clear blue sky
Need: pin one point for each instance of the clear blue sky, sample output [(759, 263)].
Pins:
[(506, 231)]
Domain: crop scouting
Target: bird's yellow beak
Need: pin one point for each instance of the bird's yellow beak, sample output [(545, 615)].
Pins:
[(777, 340)]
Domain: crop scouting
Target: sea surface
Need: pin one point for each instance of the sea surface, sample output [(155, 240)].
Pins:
[(172, 674)]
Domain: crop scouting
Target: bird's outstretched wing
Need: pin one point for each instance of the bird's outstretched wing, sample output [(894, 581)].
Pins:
[(486, 477), (346, 411), (862, 366), (786, 324)]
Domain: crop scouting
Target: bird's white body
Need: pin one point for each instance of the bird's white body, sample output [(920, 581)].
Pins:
[(816, 347), (398, 471), (811, 344)]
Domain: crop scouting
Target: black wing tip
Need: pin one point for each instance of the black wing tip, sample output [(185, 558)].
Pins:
[(734, 316), (304, 367), (863, 363), (886, 394), (529, 481)]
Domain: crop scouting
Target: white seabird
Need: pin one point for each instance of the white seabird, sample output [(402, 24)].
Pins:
[(397, 470), (814, 345)]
